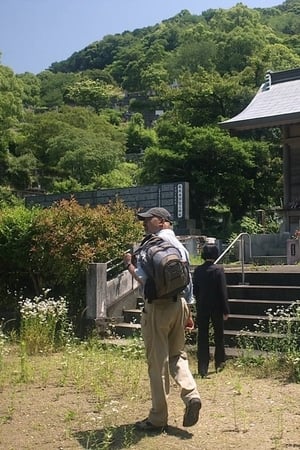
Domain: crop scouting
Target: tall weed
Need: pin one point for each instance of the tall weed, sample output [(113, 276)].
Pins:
[(43, 323), (278, 338), (3, 346)]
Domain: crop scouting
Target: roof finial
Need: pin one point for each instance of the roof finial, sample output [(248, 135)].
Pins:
[(268, 81)]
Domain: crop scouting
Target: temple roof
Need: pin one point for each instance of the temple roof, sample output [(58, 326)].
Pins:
[(276, 103)]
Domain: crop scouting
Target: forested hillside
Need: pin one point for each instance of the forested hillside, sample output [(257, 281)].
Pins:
[(143, 107)]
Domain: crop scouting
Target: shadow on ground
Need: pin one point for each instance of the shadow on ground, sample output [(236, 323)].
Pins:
[(117, 438)]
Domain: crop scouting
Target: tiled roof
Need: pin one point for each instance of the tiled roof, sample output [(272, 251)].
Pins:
[(276, 103)]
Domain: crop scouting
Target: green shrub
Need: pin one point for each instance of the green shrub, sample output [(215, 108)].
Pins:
[(16, 237), (53, 247)]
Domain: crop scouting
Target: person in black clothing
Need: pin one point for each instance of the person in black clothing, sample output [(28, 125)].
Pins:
[(210, 291)]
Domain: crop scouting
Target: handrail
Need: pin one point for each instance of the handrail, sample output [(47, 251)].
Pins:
[(241, 235), (119, 262)]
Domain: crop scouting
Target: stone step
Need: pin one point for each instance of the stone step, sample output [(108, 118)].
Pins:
[(132, 315), (250, 321), (238, 321), (231, 352), (249, 304), (256, 306), (281, 275), (125, 330), (266, 292), (232, 337)]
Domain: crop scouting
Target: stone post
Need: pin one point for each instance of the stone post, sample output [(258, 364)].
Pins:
[(293, 251), (96, 291)]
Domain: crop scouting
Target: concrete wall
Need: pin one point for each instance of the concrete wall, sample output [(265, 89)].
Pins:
[(102, 294), (173, 196), (119, 286), (267, 245)]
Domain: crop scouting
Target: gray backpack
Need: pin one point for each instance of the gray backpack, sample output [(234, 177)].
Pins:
[(167, 274)]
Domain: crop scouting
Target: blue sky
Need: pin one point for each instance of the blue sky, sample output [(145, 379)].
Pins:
[(36, 33)]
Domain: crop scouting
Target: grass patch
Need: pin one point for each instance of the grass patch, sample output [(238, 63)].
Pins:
[(96, 389), (113, 378)]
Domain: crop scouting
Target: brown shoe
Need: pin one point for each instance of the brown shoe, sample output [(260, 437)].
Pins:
[(191, 414), (146, 426)]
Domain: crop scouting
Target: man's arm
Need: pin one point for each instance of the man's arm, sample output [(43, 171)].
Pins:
[(127, 260)]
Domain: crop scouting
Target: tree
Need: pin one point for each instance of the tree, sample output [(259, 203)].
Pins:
[(53, 87), (124, 175), (204, 98), (138, 137), (226, 20), (11, 108), (197, 49), (97, 94), (153, 75), (21, 171), (72, 142), (220, 169), (31, 90), (276, 57), (11, 112), (239, 35), (88, 157), (125, 68), (97, 55)]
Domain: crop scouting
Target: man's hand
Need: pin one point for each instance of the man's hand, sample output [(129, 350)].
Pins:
[(189, 326), (130, 266), (127, 259)]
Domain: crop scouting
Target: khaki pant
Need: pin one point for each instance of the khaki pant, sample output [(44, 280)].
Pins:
[(163, 324)]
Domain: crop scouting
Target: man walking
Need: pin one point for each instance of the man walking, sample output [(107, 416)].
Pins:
[(163, 328)]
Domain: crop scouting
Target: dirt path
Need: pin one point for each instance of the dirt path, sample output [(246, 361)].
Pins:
[(239, 412)]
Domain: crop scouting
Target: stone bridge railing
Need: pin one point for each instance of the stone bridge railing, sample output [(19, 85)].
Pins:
[(102, 294)]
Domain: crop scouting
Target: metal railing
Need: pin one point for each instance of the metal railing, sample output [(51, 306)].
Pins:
[(115, 265), (241, 240)]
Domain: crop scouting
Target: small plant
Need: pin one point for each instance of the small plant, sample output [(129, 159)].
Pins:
[(70, 415), (25, 368), (43, 323), (296, 235), (284, 322), (196, 260), (3, 346), (278, 339), (134, 349)]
